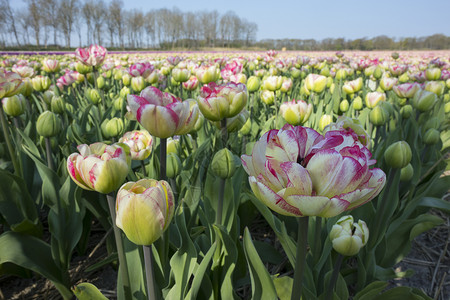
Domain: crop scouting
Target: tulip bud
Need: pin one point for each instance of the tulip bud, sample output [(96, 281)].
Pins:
[(357, 103), (27, 87), (100, 82), (253, 84), (315, 83), (272, 83), (118, 103), (14, 106), (144, 210), (246, 128), (378, 116), (324, 121), (173, 145), (433, 74), (224, 163), (82, 68), (173, 165), (93, 95), (406, 111), (431, 136), (126, 79), (57, 105), (403, 78), (348, 237), (406, 173), (436, 87), (112, 128), (424, 100), (137, 83), (41, 83), (373, 98), (378, 72), (268, 97), (181, 75), (398, 155), (48, 124), (341, 74), (296, 112), (344, 105)]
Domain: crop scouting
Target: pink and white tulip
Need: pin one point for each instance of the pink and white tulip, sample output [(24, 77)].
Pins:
[(93, 56), (295, 171), (99, 167), (162, 114)]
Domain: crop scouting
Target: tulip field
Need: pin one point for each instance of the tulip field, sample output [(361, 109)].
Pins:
[(223, 175)]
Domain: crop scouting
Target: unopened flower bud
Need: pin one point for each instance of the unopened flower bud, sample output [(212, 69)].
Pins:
[(48, 124), (357, 103), (398, 155), (406, 111), (93, 95), (431, 136), (57, 105), (324, 121), (173, 165), (424, 100), (348, 237), (225, 163), (112, 128), (344, 105), (406, 173), (14, 106), (433, 74), (253, 84), (378, 116)]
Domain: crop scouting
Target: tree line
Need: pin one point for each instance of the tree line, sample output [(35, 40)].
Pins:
[(45, 23), (55, 23)]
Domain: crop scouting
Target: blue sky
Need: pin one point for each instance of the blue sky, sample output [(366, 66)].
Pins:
[(349, 19)]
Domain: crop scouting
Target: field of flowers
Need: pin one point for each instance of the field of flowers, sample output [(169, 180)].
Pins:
[(239, 175)]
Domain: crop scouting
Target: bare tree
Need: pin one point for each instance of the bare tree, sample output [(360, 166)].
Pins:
[(117, 19), (68, 11), (49, 12), (209, 23), (36, 19), (9, 18), (149, 25), (87, 13), (98, 17)]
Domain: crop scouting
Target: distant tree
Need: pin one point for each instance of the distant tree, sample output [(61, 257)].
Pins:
[(34, 13), (116, 14), (49, 11), (68, 12)]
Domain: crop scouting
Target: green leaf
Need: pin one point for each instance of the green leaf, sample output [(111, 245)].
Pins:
[(278, 227), (16, 205), (34, 254), (371, 291), (224, 262), (183, 261), (437, 203), (262, 285), (87, 291), (283, 286), (200, 273)]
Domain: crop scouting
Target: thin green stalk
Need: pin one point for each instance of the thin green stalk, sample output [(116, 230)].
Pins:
[(120, 250), (48, 149), (334, 276), (7, 137), (163, 159), (300, 262), (224, 132), (220, 203), (381, 209), (149, 274), (181, 90), (143, 168), (317, 240)]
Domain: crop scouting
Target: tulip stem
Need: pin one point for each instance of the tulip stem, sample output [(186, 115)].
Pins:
[(7, 137), (120, 250), (181, 91), (224, 132), (162, 159), (220, 202), (143, 168), (149, 275), (300, 263), (334, 276), (48, 149)]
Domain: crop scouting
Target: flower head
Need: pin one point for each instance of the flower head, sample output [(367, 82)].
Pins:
[(296, 171), (140, 143), (99, 167), (162, 114), (144, 210), (93, 56)]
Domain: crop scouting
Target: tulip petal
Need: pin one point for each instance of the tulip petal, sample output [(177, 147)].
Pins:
[(318, 205), (271, 199), (158, 120), (298, 178), (375, 184), (73, 171)]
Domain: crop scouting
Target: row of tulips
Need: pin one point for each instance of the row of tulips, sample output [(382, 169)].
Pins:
[(184, 156)]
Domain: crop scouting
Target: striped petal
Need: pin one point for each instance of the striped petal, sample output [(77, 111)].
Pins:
[(318, 205)]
